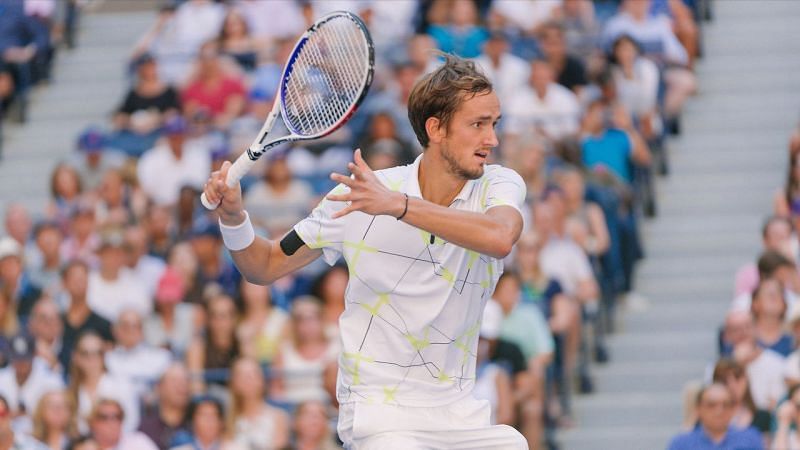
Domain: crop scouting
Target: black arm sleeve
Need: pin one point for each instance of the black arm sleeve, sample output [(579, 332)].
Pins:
[(291, 243)]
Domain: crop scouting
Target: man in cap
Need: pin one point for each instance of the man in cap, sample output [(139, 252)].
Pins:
[(112, 286), (173, 163), (206, 241), (93, 158), (27, 378)]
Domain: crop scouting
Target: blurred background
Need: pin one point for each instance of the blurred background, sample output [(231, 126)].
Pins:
[(651, 302)]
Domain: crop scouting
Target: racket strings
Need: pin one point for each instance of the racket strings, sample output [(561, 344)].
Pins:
[(327, 77)]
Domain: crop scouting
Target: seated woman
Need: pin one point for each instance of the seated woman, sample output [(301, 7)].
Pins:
[(256, 425), (206, 418), (211, 355), (139, 119), (302, 361), (236, 41), (214, 89)]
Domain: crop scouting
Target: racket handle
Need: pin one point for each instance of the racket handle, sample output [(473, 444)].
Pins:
[(239, 169)]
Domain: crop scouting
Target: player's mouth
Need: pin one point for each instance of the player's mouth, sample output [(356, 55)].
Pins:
[(482, 155)]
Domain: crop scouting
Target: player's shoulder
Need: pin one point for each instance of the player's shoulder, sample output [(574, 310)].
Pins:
[(495, 172), (394, 177)]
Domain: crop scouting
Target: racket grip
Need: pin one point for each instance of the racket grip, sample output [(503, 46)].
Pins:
[(239, 169)]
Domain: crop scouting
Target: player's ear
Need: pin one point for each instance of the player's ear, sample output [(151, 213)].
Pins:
[(434, 129)]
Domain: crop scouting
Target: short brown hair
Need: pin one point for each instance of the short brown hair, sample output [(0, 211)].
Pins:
[(440, 93)]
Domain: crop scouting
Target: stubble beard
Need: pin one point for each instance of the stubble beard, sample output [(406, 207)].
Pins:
[(455, 167)]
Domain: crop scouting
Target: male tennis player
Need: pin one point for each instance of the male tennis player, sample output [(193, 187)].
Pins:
[(424, 245)]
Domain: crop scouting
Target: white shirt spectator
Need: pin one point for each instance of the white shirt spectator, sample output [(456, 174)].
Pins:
[(639, 95), (508, 78), (526, 14), (654, 34), (41, 381), (179, 338), (142, 365), (278, 211), (115, 388), (287, 18), (135, 441), (148, 271), (162, 175), (557, 113), (109, 298), (565, 261), (765, 374)]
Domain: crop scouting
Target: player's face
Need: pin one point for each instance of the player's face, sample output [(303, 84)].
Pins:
[(471, 136)]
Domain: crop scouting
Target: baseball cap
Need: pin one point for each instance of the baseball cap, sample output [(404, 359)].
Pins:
[(171, 288), (205, 228), (21, 348), (175, 125), (492, 320), (144, 58), (9, 247), (91, 140)]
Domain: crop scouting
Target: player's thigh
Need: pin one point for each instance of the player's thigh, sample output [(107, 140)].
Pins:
[(389, 441), (496, 437)]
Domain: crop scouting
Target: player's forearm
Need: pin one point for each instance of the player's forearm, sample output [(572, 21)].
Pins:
[(253, 260), (474, 231)]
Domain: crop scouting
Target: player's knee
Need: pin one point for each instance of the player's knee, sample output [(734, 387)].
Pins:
[(515, 440)]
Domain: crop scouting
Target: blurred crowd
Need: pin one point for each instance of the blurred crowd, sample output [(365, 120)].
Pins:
[(127, 326), (751, 394)]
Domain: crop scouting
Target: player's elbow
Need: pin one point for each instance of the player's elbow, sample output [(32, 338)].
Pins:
[(501, 247)]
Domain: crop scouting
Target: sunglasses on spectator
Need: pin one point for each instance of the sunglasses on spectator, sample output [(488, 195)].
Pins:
[(93, 352), (109, 417), (718, 404)]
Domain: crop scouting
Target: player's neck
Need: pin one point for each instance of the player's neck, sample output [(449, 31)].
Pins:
[(436, 183)]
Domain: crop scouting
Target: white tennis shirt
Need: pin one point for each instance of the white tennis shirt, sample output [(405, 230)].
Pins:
[(414, 302)]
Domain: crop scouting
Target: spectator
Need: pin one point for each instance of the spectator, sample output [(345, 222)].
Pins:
[(715, 408), (207, 419), (525, 326), (173, 325), (167, 420), (311, 428), (114, 287), (786, 202), (637, 82), (26, 379), (776, 235), (147, 268), (214, 89), (46, 328), (236, 41), (44, 266), (655, 35), (23, 44), (492, 383), (90, 382), (787, 418), (79, 317), (147, 104), (764, 367), (382, 131), (106, 424), (132, 358), (461, 35), (173, 163), (745, 413), (769, 310), (278, 201), (302, 360), (9, 439), (264, 326), (508, 72), (93, 159), (115, 205), (82, 241), (257, 425), (19, 224), (329, 287), (218, 348), (526, 15), (51, 420), (610, 142), (159, 225), (14, 281), (66, 188), (580, 27), (291, 23), (569, 70), (543, 106), (84, 443), (212, 267), (586, 223)]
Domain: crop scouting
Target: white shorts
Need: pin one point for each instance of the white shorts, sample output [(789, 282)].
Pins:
[(463, 424)]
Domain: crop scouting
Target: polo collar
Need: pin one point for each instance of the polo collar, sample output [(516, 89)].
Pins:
[(412, 183)]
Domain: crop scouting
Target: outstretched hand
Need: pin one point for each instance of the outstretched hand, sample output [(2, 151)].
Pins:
[(367, 193)]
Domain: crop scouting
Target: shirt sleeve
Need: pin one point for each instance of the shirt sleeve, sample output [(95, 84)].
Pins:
[(502, 186), (320, 231)]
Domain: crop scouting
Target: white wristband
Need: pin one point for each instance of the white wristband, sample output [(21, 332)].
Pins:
[(238, 237)]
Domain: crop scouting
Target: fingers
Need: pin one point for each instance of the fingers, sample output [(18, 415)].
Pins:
[(344, 179), (343, 212), (216, 188), (339, 198), (359, 160)]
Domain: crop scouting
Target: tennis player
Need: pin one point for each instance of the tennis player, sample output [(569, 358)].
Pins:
[(424, 245)]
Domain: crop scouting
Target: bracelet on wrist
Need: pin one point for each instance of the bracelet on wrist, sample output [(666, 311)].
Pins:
[(405, 210)]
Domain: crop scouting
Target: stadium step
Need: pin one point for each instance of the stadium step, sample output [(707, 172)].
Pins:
[(726, 165), (88, 81)]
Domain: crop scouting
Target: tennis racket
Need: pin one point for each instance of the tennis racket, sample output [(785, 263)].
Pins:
[(325, 79)]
